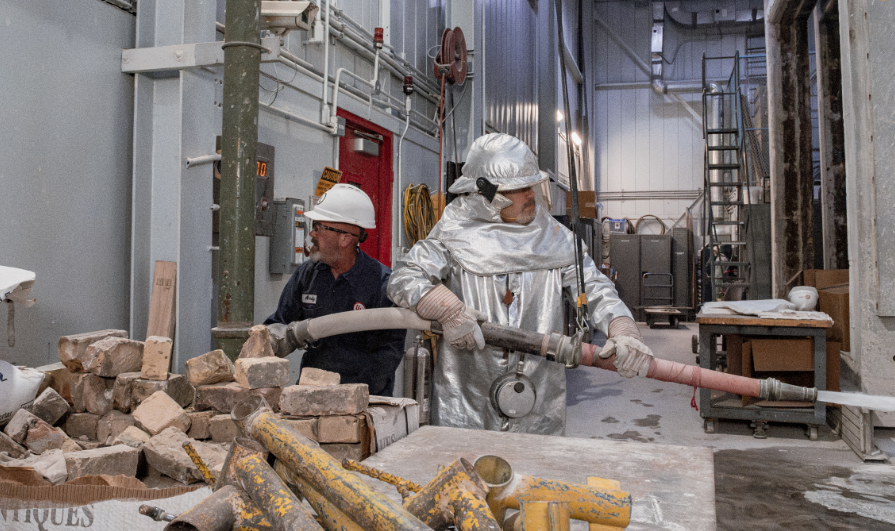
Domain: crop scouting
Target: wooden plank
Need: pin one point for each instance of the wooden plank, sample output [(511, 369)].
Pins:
[(749, 320), (163, 301), (658, 476)]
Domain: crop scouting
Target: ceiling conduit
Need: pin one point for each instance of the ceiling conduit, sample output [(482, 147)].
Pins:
[(715, 17)]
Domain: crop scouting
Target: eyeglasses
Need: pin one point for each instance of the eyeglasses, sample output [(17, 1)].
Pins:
[(316, 226)]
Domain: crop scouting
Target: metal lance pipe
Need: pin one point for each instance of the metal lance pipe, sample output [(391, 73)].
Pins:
[(284, 510), (228, 508), (455, 496), (242, 59), (508, 490), (368, 508)]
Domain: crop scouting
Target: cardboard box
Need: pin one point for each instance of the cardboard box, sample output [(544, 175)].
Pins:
[(834, 302), (781, 367), (782, 354), (392, 419), (587, 204), (825, 278)]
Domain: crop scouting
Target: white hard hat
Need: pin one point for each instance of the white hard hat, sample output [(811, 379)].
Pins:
[(345, 203), (504, 160)]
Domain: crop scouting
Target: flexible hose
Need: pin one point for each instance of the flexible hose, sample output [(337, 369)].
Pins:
[(690, 375), (419, 213), (365, 320)]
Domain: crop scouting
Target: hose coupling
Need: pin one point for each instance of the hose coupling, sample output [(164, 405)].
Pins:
[(299, 335), (772, 389), (563, 349)]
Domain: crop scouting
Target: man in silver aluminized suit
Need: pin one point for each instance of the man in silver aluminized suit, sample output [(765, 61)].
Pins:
[(506, 261)]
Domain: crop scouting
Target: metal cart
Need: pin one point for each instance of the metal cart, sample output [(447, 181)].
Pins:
[(659, 288), (716, 405)]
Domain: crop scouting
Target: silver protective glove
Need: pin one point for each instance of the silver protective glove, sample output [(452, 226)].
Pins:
[(632, 357), (459, 323), (282, 340)]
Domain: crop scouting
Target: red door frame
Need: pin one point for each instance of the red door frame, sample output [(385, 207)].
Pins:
[(386, 181)]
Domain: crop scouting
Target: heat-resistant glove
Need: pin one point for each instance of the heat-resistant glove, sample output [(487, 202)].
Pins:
[(281, 341), (459, 323), (632, 357)]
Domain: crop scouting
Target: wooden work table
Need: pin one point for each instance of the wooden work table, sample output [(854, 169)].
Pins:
[(712, 408), (672, 487)]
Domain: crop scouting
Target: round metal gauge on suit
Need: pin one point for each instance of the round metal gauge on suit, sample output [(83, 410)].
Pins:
[(513, 395)]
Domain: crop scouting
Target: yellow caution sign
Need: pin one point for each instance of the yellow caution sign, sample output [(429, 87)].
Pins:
[(329, 179)]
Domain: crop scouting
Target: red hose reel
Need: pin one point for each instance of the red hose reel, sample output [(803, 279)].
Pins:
[(451, 57)]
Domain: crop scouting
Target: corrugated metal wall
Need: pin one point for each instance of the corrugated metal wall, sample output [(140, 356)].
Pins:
[(511, 73), (649, 148)]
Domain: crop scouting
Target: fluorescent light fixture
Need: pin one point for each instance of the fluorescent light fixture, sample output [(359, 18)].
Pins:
[(559, 116), (576, 139)]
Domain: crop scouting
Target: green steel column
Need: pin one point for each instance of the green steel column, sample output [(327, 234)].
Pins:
[(242, 58)]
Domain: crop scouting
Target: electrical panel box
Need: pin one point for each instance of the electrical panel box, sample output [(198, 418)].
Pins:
[(287, 244)]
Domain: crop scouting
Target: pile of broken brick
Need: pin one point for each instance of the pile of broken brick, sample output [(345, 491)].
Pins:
[(112, 408)]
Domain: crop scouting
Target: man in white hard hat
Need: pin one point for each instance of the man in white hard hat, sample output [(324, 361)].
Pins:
[(497, 251), (340, 277)]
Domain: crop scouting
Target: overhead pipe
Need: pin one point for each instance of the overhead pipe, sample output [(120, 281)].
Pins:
[(239, 139), (365, 506), (569, 351)]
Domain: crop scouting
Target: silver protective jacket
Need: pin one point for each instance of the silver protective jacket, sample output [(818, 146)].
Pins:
[(479, 258)]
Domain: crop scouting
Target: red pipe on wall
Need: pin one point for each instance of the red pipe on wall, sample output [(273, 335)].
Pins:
[(670, 371)]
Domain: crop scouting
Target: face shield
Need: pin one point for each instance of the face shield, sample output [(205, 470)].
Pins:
[(506, 164)]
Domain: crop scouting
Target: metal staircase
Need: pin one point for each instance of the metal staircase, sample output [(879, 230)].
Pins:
[(724, 265)]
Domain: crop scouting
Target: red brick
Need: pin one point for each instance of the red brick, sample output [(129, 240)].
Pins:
[(88, 393), (49, 406), (78, 424), (72, 348), (209, 368), (156, 358), (318, 377), (341, 429), (344, 399), (258, 344), (112, 356), (112, 424), (160, 412), (119, 460), (224, 396), (253, 373)]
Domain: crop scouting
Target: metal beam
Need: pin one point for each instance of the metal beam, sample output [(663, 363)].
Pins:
[(177, 57)]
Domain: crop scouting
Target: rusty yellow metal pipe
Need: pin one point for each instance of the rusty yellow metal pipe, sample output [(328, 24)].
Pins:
[(508, 490), (226, 509), (400, 483), (200, 464), (545, 516), (455, 496), (284, 510), (242, 447), (371, 510), (329, 516)]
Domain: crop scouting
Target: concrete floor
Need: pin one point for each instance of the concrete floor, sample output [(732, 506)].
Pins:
[(785, 481)]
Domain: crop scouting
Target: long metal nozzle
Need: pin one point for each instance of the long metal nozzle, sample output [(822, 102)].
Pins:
[(772, 389)]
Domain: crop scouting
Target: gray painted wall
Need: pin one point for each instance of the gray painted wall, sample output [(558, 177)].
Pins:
[(66, 149)]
